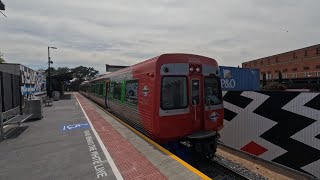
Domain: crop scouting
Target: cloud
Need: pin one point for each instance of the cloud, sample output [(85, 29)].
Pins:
[(123, 32)]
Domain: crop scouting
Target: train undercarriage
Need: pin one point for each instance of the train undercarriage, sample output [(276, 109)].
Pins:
[(201, 144)]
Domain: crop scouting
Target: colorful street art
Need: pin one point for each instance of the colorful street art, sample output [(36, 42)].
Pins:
[(33, 82)]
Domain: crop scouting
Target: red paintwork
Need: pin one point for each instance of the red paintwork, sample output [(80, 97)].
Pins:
[(254, 148), (177, 126), (168, 128)]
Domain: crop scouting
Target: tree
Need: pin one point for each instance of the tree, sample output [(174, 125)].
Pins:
[(72, 77), (275, 86), (58, 71), (1, 58), (62, 70), (52, 71), (82, 73)]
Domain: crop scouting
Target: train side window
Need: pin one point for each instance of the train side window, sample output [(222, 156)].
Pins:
[(93, 88), (117, 90), (131, 92), (111, 87), (97, 88), (100, 89), (212, 90), (174, 92)]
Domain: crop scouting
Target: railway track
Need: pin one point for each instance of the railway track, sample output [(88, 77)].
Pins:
[(227, 172), (218, 169)]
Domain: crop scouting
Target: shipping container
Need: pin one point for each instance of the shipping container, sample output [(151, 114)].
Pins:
[(239, 79)]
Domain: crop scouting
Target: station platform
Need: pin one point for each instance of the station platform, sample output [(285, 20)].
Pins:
[(76, 139)]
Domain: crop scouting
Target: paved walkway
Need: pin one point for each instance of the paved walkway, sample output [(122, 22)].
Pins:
[(60, 146), (78, 140)]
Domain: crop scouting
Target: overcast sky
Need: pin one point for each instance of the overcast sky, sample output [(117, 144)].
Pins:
[(124, 32)]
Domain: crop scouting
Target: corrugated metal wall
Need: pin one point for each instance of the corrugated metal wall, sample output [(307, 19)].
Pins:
[(16, 90), (7, 91), (278, 126), (10, 91), (0, 91)]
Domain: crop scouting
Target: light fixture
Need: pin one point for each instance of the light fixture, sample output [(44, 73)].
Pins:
[(191, 69), (198, 69)]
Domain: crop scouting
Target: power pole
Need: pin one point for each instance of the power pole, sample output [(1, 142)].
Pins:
[(49, 71)]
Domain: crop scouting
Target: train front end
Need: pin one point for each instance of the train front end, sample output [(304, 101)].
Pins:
[(191, 106)]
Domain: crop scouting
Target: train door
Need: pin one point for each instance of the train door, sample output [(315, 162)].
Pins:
[(213, 102), (107, 94), (196, 103)]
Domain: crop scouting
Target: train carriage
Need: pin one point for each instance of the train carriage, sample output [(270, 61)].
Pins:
[(170, 98)]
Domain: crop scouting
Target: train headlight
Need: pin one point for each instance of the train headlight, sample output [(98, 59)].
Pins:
[(198, 69), (191, 69), (166, 69)]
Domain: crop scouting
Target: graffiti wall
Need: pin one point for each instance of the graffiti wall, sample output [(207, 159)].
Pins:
[(33, 82), (282, 127)]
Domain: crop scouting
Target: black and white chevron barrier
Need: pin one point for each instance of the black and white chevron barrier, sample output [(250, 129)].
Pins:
[(283, 127)]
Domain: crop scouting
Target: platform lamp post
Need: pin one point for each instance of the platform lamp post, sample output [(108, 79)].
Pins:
[(49, 73)]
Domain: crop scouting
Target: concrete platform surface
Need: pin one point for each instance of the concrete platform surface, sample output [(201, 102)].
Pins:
[(78, 140), (55, 147)]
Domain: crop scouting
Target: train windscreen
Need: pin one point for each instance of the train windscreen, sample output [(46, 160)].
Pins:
[(174, 92), (212, 90)]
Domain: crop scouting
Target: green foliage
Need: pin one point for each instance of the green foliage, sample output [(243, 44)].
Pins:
[(275, 86), (82, 73), (52, 71), (78, 75), (1, 58), (62, 70)]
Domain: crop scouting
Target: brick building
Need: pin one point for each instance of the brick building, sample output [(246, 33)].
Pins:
[(301, 63)]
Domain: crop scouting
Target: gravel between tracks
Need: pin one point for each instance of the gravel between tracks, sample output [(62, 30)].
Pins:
[(239, 168), (265, 169)]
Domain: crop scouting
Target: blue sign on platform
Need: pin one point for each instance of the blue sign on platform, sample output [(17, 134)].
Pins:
[(75, 126)]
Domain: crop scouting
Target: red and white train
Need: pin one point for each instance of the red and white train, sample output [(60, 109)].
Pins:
[(170, 98)]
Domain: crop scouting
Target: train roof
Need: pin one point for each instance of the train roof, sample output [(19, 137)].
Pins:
[(106, 76)]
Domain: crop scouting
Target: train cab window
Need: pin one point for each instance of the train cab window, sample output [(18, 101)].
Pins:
[(174, 92), (212, 91), (131, 93), (117, 90)]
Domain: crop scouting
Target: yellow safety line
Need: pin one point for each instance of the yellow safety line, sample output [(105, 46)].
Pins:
[(191, 168)]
